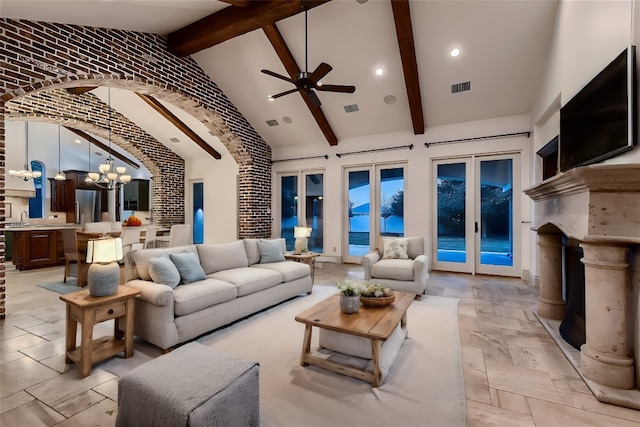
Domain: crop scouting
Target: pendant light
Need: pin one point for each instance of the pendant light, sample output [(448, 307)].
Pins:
[(60, 176), (25, 174), (109, 176)]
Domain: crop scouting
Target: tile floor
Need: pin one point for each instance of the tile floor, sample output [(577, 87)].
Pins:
[(515, 374)]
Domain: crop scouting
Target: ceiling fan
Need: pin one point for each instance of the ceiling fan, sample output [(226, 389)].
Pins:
[(308, 81)]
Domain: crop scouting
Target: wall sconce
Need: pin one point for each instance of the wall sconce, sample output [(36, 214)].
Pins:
[(103, 276), (301, 234)]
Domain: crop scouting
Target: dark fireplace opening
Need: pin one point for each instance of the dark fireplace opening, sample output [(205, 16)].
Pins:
[(572, 328)]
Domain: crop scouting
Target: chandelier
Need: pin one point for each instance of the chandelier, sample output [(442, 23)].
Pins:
[(25, 173), (109, 176)]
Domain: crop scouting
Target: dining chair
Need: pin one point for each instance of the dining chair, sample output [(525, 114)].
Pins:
[(81, 249), (98, 227), (130, 236), (70, 253), (150, 236), (179, 235)]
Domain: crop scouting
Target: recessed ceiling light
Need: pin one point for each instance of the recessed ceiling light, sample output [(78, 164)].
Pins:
[(287, 120), (379, 71), (270, 98), (390, 99), (455, 52), (78, 141)]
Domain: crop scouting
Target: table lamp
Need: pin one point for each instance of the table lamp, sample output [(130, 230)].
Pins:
[(103, 276), (301, 234)]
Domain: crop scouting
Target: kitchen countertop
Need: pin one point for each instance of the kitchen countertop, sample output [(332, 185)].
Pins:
[(35, 227)]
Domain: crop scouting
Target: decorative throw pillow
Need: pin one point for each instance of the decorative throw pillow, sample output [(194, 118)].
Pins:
[(163, 271), (270, 251), (395, 248), (188, 264)]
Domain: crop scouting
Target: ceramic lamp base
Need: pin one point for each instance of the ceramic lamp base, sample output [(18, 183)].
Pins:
[(300, 245), (103, 279)]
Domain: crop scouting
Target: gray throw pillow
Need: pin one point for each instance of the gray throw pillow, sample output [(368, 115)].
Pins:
[(188, 264), (270, 251), (163, 271)]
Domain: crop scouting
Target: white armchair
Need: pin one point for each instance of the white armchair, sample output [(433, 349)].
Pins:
[(408, 274)]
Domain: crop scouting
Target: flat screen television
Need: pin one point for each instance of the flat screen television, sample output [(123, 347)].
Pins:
[(600, 121)]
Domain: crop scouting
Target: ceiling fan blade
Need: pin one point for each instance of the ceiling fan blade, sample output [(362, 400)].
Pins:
[(315, 101), (278, 76), (336, 88), (284, 93), (321, 71)]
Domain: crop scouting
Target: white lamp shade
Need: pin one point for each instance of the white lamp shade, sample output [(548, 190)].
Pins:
[(104, 250), (103, 168), (93, 176), (125, 179), (121, 169), (301, 232)]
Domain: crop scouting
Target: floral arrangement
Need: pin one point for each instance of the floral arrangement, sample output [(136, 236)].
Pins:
[(351, 287), (376, 291)]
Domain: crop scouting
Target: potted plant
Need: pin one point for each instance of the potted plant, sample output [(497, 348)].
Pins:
[(350, 290)]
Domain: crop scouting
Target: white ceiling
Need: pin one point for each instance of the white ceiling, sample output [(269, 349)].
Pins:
[(504, 48)]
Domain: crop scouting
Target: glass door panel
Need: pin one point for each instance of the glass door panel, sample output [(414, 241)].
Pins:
[(288, 208), (496, 212), (314, 210), (359, 209), (391, 188)]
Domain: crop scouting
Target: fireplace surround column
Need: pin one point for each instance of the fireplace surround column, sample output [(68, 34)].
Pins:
[(550, 302), (604, 357)]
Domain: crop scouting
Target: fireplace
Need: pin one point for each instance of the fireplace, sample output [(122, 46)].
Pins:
[(597, 210), (572, 328)]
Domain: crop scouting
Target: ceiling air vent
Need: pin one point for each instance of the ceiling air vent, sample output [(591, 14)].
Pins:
[(273, 123), (351, 108), (174, 140), (460, 87)]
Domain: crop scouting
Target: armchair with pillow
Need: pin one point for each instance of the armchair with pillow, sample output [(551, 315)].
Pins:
[(399, 264)]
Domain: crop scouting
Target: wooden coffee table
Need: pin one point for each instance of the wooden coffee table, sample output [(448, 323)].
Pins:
[(376, 324)]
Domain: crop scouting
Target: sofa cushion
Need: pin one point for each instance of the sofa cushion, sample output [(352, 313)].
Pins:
[(222, 256), (395, 248), (162, 270), (394, 269), (188, 264), (270, 251), (143, 256), (253, 253), (249, 280), (290, 270), (197, 296)]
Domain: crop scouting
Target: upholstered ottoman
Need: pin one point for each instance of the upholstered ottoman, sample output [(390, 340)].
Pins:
[(193, 385)]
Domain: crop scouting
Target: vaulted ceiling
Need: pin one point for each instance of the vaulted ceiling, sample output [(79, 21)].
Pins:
[(503, 51)]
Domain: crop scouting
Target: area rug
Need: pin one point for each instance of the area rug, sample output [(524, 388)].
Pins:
[(424, 387), (61, 287)]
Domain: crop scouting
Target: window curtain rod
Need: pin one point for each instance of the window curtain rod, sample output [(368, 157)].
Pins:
[(478, 138), (375, 150), (326, 156)]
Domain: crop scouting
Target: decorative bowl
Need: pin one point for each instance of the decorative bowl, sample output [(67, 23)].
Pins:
[(377, 301)]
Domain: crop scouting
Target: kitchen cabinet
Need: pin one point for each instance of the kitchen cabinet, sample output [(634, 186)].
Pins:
[(136, 195), (37, 249), (63, 193)]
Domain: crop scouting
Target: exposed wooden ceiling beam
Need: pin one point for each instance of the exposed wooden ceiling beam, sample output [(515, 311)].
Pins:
[(105, 147), (404, 31), (239, 3), (289, 62), (156, 105), (231, 22), (80, 90)]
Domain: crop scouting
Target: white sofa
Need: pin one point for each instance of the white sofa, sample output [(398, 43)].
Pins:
[(239, 281), (408, 274)]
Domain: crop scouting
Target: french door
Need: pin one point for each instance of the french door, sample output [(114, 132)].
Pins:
[(476, 211), (374, 207), (307, 211)]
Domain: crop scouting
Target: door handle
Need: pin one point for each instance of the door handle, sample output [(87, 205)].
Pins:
[(476, 227)]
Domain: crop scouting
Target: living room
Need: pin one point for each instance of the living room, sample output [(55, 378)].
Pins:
[(576, 53)]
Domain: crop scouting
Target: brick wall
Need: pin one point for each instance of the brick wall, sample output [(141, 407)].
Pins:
[(39, 60)]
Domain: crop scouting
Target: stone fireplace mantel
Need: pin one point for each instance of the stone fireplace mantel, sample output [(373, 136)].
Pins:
[(599, 206)]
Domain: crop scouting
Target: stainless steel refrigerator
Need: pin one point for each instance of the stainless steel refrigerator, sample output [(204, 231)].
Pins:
[(88, 206)]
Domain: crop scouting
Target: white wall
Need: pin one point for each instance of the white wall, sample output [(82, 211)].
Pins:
[(418, 198), (220, 179)]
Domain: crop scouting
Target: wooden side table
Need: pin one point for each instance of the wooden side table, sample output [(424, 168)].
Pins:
[(89, 311), (307, 258)]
